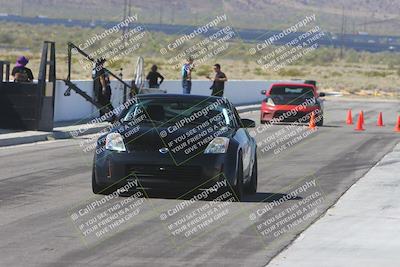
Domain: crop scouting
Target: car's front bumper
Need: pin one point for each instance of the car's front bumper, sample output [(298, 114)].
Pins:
[(160, 171), (287, 112)]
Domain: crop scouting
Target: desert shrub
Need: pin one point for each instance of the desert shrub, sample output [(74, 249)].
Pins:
[(336, 74), (375, 73), (258, 71), (203, 70), (291, 72)]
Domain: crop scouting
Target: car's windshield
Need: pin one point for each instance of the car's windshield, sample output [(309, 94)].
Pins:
[(187, 112), (292, 90)]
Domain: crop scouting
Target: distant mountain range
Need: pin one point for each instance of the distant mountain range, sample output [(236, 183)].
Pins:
[(372, 16)]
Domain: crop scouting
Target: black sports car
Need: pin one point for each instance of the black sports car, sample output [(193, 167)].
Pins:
[(177, 142)]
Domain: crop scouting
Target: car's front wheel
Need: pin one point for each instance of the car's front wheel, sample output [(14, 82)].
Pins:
[(320, 122), (95, 187), (251, 187), (238, 188)]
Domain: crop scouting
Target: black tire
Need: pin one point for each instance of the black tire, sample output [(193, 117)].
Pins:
[(99, 190), (320, 122), (238, 188), (95, 187), (251, 187)]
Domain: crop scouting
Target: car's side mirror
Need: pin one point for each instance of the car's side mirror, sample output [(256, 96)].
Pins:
[(263, 92), (322, 94), (246, 123)]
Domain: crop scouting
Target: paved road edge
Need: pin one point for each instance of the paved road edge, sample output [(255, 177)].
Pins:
[(351, 213)]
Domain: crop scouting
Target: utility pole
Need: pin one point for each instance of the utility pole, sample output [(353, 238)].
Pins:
[(161, 11), (125, 7), (173, 13), (342, 33), (129, 8), (365, 25), (127, 14), (22, 8), (124, 18)]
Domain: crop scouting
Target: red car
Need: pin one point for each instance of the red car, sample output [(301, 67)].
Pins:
[(291, 102)]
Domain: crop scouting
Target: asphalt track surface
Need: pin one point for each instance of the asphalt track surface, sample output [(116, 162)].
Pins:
[(42, 184)]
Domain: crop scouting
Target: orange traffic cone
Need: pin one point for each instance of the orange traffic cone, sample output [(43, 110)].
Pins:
[(311, 124), (360, 122), (380, 120), (397, 127), (349, 120), (362, 117)]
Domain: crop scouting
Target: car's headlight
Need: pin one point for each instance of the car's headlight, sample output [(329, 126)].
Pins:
[(115, 142), (270, 102), (217, 146), (311, 102)]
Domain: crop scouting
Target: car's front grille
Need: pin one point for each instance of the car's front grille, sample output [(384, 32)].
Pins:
[(289, 116), (165, 171)]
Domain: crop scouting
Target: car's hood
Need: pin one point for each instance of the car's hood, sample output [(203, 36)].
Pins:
[(145, 137)]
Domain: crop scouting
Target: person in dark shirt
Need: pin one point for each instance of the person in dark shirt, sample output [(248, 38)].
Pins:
[(20, 72), (102, 87), (219, 80), (153, 77)]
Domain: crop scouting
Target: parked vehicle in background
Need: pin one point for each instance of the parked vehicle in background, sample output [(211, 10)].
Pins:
[(281, 99)]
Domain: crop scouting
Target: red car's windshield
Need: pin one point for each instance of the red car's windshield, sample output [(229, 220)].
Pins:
[(292, 90)]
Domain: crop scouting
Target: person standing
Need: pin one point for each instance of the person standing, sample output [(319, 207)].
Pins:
[(20, 72), (219, 80), (187, 69), (102, 87), (153, 77)]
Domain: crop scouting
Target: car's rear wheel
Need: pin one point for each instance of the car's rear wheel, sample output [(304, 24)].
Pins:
[(251, 187), (238, 188)]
